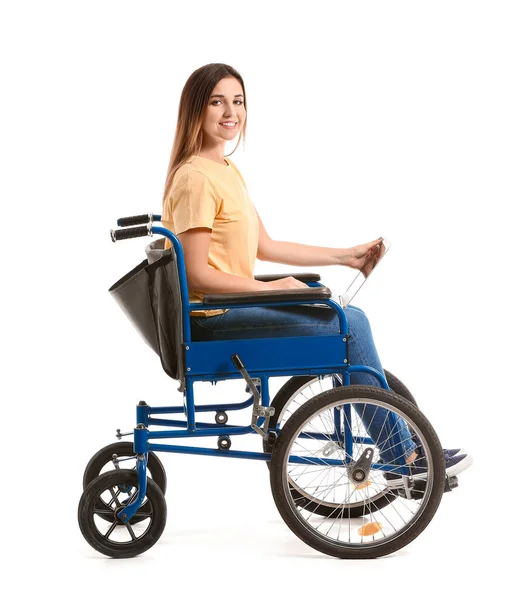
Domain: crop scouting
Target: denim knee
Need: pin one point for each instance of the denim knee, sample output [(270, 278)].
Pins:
[(358, 322), (352, 307)]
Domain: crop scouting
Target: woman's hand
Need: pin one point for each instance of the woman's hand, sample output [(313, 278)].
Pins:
[(363, 257), (286, 283)]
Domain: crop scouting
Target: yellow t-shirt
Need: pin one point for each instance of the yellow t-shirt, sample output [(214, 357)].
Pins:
[(206, 193)]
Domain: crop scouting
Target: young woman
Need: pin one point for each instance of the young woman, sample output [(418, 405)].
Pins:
[(206, 204)]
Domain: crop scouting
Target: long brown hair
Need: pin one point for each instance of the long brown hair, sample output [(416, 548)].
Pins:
[(188, 138)]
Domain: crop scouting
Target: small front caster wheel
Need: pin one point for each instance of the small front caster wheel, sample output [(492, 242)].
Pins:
[(121, 455), (221, 417), (224, 442), (98, 521)]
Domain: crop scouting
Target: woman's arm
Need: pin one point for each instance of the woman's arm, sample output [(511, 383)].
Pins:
[(202, 278), (301, 255)]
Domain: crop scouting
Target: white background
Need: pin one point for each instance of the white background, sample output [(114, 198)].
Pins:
[(364, 119)]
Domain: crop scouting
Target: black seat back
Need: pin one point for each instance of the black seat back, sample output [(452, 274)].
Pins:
[(150, 297)]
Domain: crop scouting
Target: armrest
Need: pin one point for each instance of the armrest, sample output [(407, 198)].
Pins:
[(305, 277), (296, 294)]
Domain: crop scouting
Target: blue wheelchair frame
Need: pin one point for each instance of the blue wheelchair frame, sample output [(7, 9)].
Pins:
[(263, 357)]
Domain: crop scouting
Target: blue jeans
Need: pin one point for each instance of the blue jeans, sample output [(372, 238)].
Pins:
[(279, 321)]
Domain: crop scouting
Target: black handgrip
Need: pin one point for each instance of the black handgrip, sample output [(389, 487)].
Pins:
[(132, 232), (136, 220)]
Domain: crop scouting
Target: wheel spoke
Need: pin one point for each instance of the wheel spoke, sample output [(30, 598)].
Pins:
[(103, 511), (115, 496), (111, 529), (131, 532)]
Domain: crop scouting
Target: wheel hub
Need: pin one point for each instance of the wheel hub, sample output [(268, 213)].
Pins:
[(360, 470), (358, 475)]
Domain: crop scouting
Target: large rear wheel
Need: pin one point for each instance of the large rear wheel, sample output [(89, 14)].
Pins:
[(296, 392), (323, 451)]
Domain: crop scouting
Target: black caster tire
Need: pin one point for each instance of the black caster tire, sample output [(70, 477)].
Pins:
[(104, 458), (110, 536), (281, 401), (396, 525)]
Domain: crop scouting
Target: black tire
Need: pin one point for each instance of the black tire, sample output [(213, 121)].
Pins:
[(427, 502), (97, 532), (285, 395), (104, 457), (398, 387)]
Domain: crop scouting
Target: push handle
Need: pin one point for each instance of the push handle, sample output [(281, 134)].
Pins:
[(132, 232), (137, 220)]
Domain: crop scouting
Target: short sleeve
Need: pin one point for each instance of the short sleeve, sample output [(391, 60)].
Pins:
[(192, 202)]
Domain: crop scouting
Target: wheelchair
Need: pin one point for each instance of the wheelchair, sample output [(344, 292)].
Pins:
[(330, 479)]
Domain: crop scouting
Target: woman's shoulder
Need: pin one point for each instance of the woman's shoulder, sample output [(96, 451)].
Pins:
[(197, 172), (188, 172)]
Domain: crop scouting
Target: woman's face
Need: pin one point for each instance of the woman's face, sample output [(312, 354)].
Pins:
[(226, 104)]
